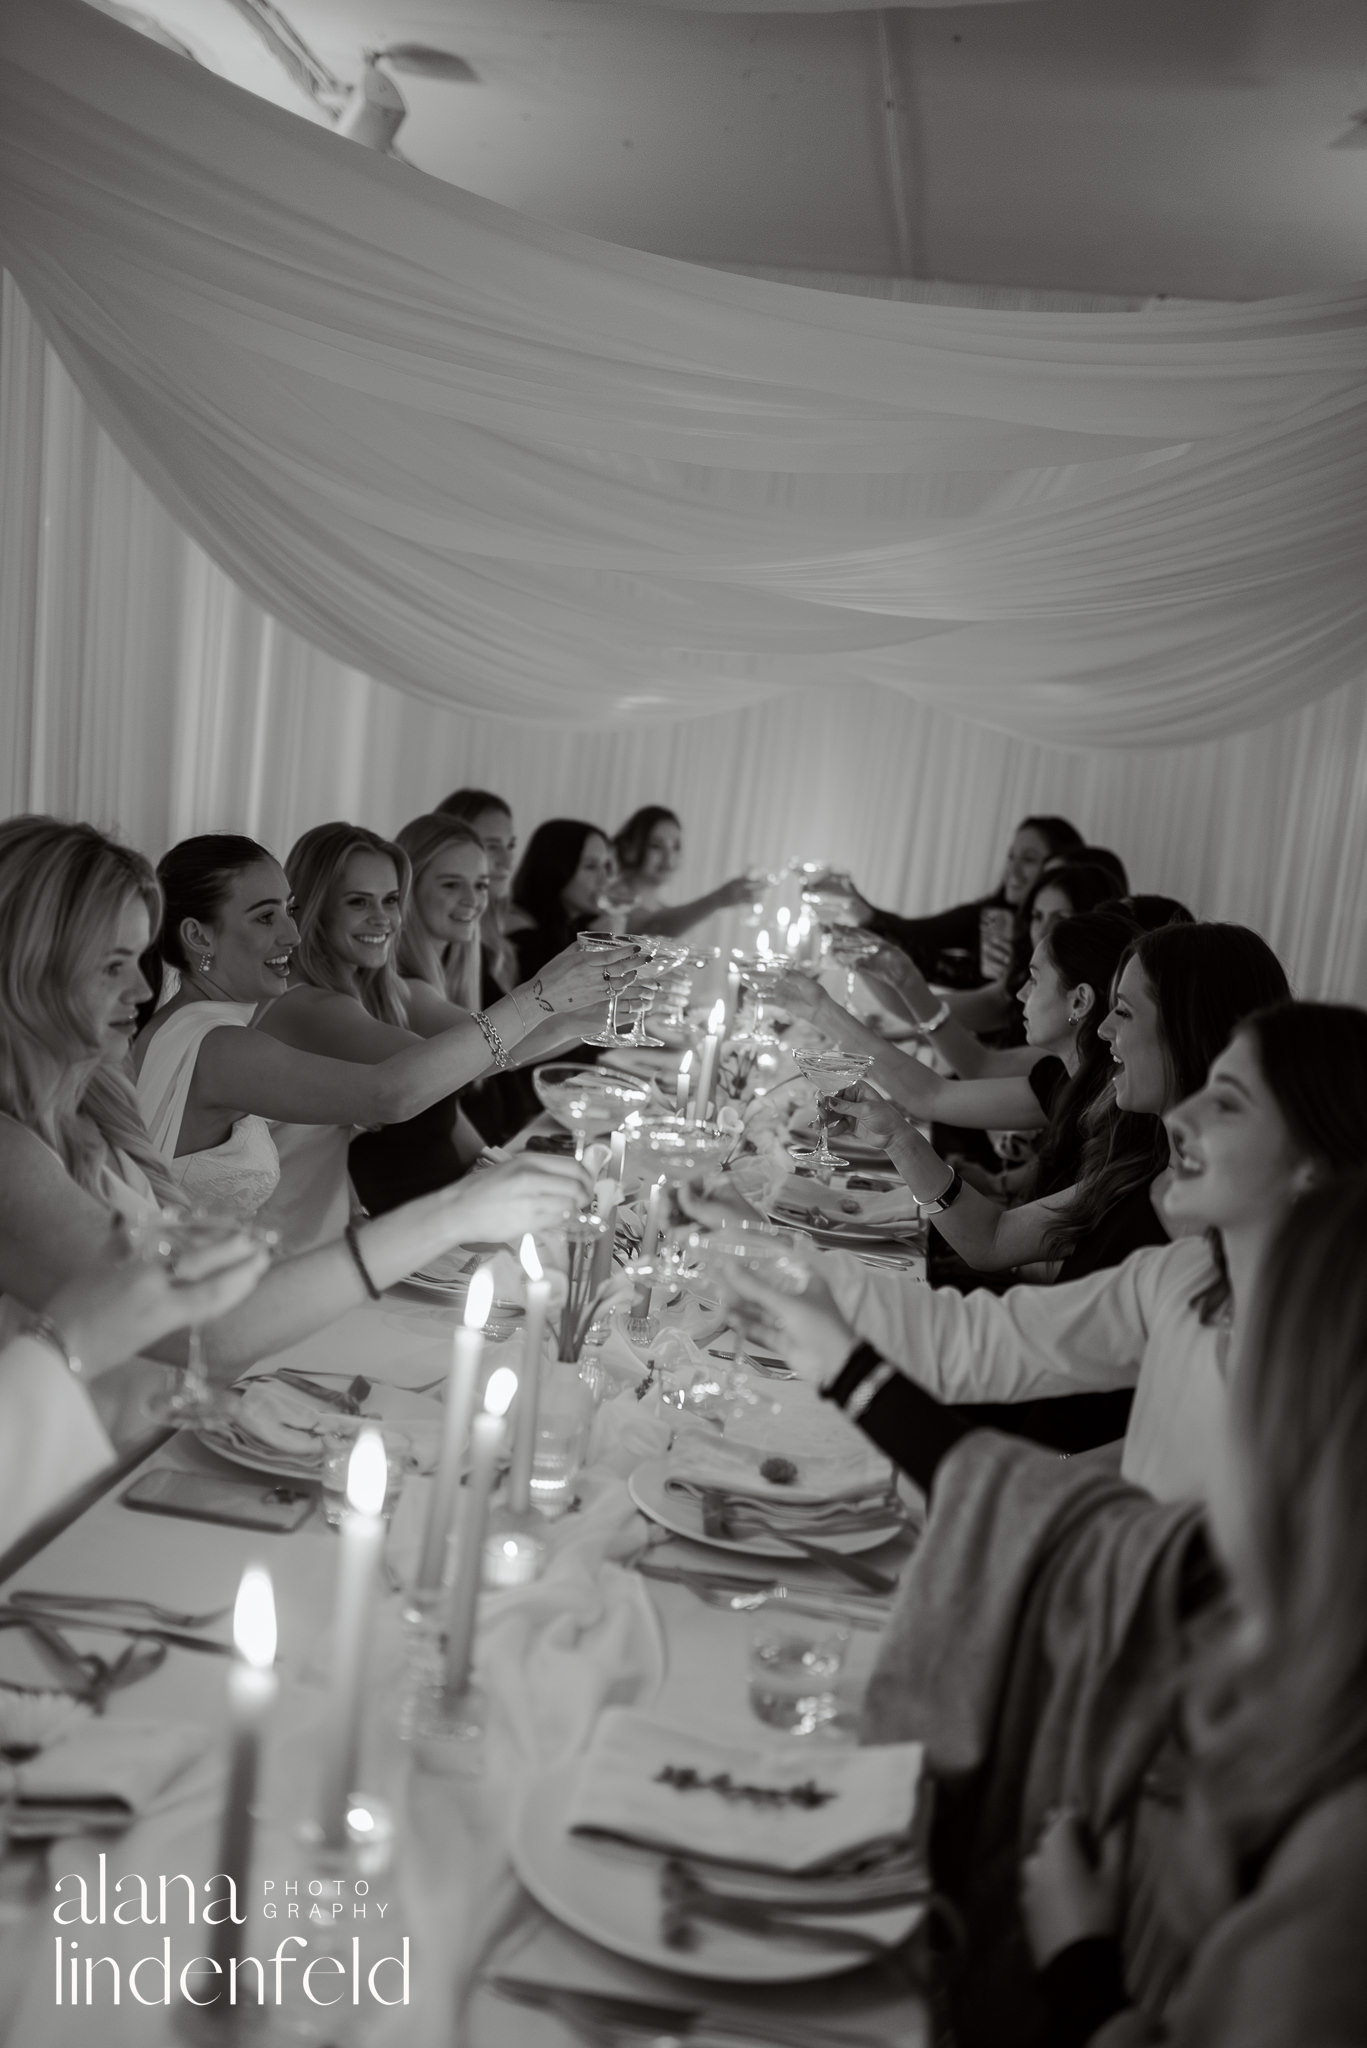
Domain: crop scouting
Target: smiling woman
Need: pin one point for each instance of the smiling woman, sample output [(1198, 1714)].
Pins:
[(232, 1050)]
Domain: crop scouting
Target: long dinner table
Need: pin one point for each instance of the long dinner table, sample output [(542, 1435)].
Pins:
[(487, 1966)]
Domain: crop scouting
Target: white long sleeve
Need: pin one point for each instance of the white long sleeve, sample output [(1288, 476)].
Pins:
[(1129, 1325)]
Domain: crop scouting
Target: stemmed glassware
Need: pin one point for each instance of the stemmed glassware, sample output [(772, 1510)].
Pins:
[(662, 957), (168, 1236), (834, 1075), (848, 946), (605, 942), (757, 970)]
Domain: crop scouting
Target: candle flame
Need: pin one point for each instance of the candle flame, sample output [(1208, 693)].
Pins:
[(716, 1016), (254, 1618), (632, 1121), (782, 916), (686, 1063), (498, 1395), (762, 946), (367, 1474), (480, 1298), (361, 1820), (531, 1264)]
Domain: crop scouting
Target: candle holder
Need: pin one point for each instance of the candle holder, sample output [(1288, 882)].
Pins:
[(446, 1729), (515, 1547)]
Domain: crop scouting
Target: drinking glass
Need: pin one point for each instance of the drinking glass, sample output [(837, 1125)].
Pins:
[(564, 1418), (795, 1662), (849, 945), (757, 970), (167, 1236), (604, 942), (834, 1075), (587, 1102)]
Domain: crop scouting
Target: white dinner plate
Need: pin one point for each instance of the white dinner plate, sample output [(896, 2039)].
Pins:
[(683, 1517), (610, 1892), (417, 1412)]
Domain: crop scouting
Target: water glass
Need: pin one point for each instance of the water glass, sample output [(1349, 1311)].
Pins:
[(338, 1434), (564, 1419), (795, 1663)]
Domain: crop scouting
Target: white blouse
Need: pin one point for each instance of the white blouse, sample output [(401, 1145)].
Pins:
[(1129, 1325)]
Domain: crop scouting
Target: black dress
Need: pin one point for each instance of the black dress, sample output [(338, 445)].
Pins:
[(398, 1162), (944, 945), (500, 1103)]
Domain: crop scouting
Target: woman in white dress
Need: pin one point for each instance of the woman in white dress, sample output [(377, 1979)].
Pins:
[(219, 1077), (77, 915)]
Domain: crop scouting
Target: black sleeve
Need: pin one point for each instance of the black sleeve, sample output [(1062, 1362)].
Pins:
[(925, 939), (1048, 1078), (1084, 1986), (908, 1425)]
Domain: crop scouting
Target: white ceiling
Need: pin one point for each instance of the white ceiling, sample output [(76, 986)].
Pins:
[(1098, 146)]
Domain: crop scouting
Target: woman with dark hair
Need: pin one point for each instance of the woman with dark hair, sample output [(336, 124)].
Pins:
[(1178, 996), (949, 947), (1151, 913), (1284, 1104), (558, 889), (1164, 1708), (226, 1054), (648, 850)]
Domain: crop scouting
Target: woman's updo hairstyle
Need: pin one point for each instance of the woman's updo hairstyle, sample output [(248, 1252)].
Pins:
[(196, 880)]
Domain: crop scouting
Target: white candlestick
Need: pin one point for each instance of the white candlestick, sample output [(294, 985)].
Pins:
[(252, 1688), (732, 993), (486, 1441), (609, 1194), (362, 1541), (617, 1156), (650, 1238), (529, 1383), (685, 1070), (707, 1067), (467, 1350)]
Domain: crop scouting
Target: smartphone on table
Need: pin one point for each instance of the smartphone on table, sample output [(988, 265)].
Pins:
[(204, 1497)]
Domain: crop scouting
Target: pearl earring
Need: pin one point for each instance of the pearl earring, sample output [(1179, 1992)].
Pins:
[(206, 962)]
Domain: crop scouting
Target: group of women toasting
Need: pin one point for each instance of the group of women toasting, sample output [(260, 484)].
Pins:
[(1140, 1671)]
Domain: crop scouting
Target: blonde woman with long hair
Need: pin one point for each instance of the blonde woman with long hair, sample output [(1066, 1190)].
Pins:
[(78, 913), (490, 818), (348, 1000), (442, 947)]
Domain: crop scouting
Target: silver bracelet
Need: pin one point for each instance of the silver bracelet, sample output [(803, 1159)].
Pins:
[(495, 1043), (47, 1332), (942, 1016), (869, 1389)]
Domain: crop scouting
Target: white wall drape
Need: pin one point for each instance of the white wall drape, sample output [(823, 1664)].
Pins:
[(510, 468), (139, 687)]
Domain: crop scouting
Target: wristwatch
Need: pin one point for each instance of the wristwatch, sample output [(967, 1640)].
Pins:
[(947, 1196)]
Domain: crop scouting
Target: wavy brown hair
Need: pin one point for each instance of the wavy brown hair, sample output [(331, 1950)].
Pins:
[(1204, 980), (63, 889)]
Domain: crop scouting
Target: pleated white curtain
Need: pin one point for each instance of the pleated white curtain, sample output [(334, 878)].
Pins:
[(139, 687), (512, 469)]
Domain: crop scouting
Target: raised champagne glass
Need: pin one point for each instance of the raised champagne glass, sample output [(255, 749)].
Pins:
[(167, 1237), (835, 1076), (604, 942)]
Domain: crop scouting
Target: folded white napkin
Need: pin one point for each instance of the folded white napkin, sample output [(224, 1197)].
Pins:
[(773, 1806), (98, 1776), (282, 1420), (840, 1208), (860, 1495)]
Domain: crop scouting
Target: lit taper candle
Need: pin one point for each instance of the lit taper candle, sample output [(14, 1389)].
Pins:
[(707, 1067), (251, 1694), (362, 1541), (685, 1074), (529, 1381), (467, 1350), (486, 1441)]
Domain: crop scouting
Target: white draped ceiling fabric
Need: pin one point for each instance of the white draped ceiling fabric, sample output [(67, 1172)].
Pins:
[(435, 452), (509, 468)]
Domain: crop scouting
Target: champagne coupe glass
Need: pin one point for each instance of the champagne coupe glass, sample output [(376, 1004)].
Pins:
[(167, 1237), (757, 970), (834, 1075), (604, 942), (675, 1151), (585, 1100), (662, 957), (849, 945)]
